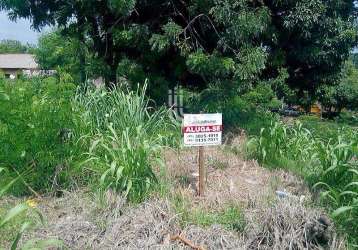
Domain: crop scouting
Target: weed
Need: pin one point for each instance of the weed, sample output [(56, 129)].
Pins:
[(230, 217), (36, 129), (14, 222), (330, 165), (126, 139)]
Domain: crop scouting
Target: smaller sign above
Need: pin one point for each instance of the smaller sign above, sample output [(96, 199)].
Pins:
[(202, 129)]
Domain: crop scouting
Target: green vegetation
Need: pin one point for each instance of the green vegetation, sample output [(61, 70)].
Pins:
[(12, 46), (328, 163), (230, 217), (54, 135), (249, 112), (126, 137), (36, 128), (14, 222), (242, 58), (297, 46), (344, 94)]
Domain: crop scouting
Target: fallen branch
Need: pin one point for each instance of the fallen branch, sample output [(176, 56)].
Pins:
[(186, 242)]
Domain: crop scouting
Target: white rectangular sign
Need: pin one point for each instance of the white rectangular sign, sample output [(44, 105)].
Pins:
[(202, 129)]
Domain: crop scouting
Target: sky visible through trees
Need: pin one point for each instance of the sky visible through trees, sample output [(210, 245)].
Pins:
[(19, 30)]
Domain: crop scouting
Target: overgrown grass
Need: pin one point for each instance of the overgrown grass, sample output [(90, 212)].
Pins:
[(37, 127), (323, 129), (48, 128), (125, 139), (330, 165)]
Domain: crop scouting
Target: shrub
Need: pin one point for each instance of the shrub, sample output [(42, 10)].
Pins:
[(238, 112), (36, 125)]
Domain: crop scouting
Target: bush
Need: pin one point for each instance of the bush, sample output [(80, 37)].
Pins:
[(346, 117), (36, 127)]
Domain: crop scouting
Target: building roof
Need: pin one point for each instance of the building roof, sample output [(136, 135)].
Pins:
[(18, 61)]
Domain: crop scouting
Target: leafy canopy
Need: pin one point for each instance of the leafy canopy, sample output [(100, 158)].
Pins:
[(229, 43)]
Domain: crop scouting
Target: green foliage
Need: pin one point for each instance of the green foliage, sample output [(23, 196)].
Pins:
[(230, 217), (330, 164), (36, 128), (354, 58), (346, 117), (210, 66), (58, 51), (125, 138), (345, 93), (262, 96), (249, 111), (14, 46), (15, 215), (125, 162), (322, 129), (232, 44), (55, 50)]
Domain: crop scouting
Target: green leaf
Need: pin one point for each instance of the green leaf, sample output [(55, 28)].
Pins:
[(355, 183), (104, 176), (4, 97), (4, 189), (354, 171), (13, 213), (341, 210), (129, 186), (349, 193), (24, 227)]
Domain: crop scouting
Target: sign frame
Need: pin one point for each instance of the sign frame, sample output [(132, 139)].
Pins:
[(202, 129)]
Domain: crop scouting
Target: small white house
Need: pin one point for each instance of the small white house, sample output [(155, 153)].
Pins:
[(15, 64)]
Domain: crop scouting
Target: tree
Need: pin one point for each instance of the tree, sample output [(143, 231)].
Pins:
[(312, 40), (344, 94), (56, 51), (354, 59), (14, 46), (230, 43)]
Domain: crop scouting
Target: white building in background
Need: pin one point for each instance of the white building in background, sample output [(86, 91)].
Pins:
[(13, 65)]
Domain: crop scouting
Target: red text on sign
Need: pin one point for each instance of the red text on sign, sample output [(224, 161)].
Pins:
[(201, 129)]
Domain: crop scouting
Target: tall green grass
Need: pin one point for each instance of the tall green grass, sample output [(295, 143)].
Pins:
[(125, 139), (329, 164)]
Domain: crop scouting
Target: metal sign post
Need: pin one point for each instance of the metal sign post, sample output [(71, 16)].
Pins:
[(202, 130)]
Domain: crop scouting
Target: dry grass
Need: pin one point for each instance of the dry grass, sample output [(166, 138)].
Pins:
[(241, 181), (105, 221), (286, 224), (289, 224)]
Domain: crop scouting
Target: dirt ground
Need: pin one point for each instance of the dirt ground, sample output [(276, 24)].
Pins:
[(83, 220)]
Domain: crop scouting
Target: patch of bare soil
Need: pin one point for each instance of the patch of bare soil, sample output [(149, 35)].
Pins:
[(229, 177), (105, 221)]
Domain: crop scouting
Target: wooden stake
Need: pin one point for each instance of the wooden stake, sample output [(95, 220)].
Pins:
[(201, 171)]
